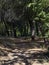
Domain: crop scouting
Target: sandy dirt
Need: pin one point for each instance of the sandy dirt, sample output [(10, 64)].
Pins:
[(22, 54)]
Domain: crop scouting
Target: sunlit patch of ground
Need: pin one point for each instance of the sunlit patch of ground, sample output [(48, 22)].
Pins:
[(24, 57), (22, 54)]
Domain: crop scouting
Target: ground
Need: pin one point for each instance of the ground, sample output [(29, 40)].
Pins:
[(22, 54)]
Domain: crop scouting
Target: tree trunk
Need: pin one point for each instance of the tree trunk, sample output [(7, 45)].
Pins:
[(32, 29), (37, 31), (6, 29), (14, 33), (14, 29)]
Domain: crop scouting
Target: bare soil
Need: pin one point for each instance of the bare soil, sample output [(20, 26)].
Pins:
[(23, 53)]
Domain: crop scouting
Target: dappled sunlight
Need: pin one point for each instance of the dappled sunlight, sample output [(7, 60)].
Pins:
[(23, 54), (24, 32)]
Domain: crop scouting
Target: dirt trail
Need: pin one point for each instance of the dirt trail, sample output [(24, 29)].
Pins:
[(22, 54)]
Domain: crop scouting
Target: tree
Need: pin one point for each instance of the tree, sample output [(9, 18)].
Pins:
[(25, 15), (38, 14)]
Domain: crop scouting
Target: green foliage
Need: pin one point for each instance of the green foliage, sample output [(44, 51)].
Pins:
[(21, 15), (39, 7)]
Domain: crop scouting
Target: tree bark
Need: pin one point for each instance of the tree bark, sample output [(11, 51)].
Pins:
[(6, 29)]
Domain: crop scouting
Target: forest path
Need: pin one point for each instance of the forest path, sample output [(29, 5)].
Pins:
[(22, 54)]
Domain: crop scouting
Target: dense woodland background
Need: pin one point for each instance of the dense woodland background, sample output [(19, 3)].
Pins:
[(24, 18), (24, 32)]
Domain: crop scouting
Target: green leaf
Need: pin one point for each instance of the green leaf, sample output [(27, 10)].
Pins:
[(29, 5), (36, 18)]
